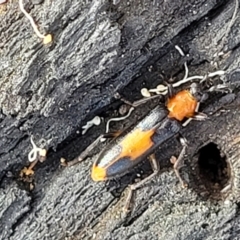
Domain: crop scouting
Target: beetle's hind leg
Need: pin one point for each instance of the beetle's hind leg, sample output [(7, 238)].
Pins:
[(86, 152), (178, 162), (155, 167)]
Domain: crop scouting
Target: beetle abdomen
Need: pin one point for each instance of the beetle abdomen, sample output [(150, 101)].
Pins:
[(128, 150)]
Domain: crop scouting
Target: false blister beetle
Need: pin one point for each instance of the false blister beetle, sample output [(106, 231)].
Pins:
[(131, 147)]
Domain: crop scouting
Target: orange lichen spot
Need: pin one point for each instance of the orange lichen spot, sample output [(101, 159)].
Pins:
[(136, 143), (98, 173), (182, 105), (26, 172), (3, 6), (47, 39)]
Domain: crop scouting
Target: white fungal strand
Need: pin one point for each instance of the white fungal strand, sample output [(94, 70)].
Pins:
[(118, 119), (161, 89), (145, 92), (36, 152), (95, 121), (46, 38)]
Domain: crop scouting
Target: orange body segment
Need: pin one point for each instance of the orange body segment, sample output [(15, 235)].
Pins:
[(182, 105), (136, 143), (98, 173)]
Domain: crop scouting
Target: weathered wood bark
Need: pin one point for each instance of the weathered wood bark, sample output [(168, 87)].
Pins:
[(99, 48)]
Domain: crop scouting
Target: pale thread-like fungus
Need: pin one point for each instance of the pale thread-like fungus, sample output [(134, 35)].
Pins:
[(95, 121), (45, 38), (35, 155), (118, 119), (163, 90), (145, 92)]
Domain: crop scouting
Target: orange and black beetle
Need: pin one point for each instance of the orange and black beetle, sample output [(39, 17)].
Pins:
[(129, 148)]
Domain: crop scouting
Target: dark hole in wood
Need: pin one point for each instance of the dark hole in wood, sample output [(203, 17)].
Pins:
[(213, 168), (205, 225)]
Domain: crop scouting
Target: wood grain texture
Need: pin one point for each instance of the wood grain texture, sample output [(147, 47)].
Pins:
[(50, 91)]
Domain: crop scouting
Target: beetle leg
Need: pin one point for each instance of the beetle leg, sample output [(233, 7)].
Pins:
[(194, 88), (155, 167), (171, 91), (178, 162), (85, 153), (199, 116), (135, 103)]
